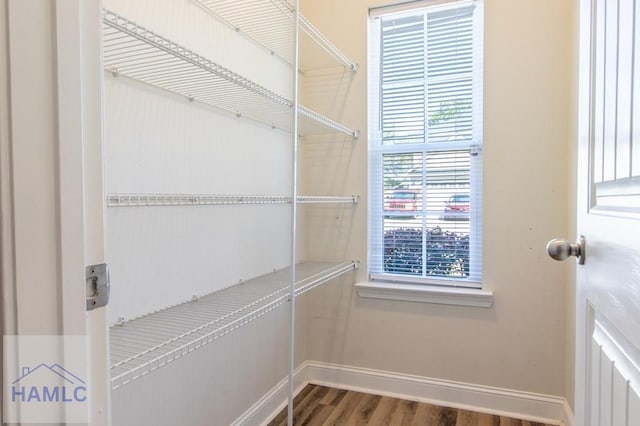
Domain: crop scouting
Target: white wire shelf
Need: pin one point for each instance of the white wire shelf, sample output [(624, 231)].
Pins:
[(312, 123), (306, 199), (270, 24), (142, 200), (143, 345), (133, 51)]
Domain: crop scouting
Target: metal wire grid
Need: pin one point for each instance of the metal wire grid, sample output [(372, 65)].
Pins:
[(270, 24), (136, 52), (145, 344), (312, 122), (141, 200), (136, 200), (266, 22), (315, 281), (321, 40), (307, 199)]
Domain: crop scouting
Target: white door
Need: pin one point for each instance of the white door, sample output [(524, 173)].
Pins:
[(608, 284), (51, 199)]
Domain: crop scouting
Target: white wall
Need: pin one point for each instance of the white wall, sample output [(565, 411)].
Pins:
[(213, 385), (158, 142), (521, 342)]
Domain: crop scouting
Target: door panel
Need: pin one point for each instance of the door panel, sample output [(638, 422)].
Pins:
[(635, 98), (608, 285), (615, 373), (609, 50), (614, 173)]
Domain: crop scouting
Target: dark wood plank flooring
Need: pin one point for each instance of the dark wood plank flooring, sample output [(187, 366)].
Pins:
[(323, 406)]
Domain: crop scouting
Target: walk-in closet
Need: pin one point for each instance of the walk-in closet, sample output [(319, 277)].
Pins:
[(210, 208)]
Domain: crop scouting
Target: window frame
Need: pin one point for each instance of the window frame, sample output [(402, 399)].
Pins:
[(377, 149)]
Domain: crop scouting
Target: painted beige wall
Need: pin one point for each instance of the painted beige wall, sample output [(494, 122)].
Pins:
[(522, 342)]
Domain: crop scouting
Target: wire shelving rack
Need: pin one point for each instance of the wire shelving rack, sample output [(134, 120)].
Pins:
[(145, 344), (136, 52), (142, 345), (269, 23), (141, 200)]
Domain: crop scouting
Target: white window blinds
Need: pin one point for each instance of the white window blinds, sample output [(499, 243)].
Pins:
[(425, 156)]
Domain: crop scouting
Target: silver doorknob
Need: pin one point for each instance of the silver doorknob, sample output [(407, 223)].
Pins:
[(561, 249)]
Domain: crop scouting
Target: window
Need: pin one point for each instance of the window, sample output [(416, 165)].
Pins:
[(425, 143)]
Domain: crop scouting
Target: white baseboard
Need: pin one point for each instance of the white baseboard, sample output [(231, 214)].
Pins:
[(267, 407), (505, 402), (485, 399), (568, 418)]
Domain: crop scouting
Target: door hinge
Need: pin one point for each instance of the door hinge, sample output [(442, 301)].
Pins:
[(98, 286)]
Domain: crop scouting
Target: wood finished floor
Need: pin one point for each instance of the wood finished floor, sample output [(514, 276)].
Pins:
[(323, 406)]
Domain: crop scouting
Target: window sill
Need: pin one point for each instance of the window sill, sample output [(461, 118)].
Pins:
[(425, 294)]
